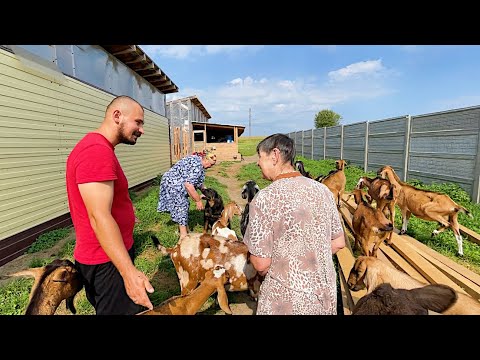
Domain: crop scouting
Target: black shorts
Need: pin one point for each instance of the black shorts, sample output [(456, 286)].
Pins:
[(105, 289)]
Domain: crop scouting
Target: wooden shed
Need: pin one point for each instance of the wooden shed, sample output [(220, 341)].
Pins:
[(222, 139), (182, 113)]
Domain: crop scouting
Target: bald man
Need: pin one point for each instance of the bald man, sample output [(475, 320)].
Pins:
[(103, 214)]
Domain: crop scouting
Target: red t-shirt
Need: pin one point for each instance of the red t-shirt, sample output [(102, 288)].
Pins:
[(93, 160)]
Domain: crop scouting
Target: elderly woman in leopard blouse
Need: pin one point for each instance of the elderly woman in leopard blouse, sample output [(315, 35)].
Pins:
[(180, 182), (294, 229)]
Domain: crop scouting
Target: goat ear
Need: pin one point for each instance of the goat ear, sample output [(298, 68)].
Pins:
[(361, 267), (60, 275), (32, 272), (223, 299), (70, 305), (256, 187)]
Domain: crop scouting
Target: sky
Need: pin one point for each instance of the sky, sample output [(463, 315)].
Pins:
[(285, 86)]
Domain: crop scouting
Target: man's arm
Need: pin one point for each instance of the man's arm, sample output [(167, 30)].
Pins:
[(98, 198)]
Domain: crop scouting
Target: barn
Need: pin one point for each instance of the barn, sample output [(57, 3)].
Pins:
[(50, 97)]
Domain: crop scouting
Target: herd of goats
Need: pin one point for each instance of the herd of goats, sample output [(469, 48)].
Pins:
[(216, 260)]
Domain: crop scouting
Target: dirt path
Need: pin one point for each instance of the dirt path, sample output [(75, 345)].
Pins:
[(234, 186), (240, 303)]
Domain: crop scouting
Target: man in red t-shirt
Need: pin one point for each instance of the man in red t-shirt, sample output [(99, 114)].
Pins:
[(103, 214)]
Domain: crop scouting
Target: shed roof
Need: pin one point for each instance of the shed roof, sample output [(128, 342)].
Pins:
[(200, 125), (196, 101), (136, 59)]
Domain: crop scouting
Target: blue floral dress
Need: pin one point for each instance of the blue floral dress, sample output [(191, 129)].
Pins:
[(173, 196)]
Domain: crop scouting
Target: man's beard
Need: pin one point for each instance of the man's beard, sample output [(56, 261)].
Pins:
[(126, 140)]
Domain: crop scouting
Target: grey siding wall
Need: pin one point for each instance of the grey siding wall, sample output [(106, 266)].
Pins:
[(438, 147)]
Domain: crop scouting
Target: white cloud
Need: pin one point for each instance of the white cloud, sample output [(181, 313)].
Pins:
[(187, 51), (356, 70), (288, 104)]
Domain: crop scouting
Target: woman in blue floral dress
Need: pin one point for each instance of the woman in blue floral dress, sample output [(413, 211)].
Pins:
[(180, 182)]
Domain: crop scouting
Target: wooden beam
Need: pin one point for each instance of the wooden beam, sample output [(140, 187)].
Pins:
[(346, 262), (150, 66), (470, 234), (131, 49), (137, 60), (399, 262), (469, 286), (163, 88), (156, 73), (430, 272), (444, 260)]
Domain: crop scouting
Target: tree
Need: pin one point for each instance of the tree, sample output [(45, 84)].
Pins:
[(326, 118)]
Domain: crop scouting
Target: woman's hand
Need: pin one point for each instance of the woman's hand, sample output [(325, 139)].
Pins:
[(199, 205)]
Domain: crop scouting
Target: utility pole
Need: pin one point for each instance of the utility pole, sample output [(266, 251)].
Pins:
[(249, 121)]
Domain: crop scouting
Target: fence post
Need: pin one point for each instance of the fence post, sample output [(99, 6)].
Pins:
[(407, 147), (476, 175), (324, 142), (341, 144), (302, 141), (312, 141), (365, 166)]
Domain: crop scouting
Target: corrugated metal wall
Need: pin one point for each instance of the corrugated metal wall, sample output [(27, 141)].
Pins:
[(438, 147), (41, 121)]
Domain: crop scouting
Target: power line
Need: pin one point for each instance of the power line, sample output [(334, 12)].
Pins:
[(249, 122)]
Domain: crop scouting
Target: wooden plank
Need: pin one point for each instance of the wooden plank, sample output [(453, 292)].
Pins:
[(429, 271), (400, 263), (346, 261), (470, 287), (347, 300), (470, 275), (470, 234)]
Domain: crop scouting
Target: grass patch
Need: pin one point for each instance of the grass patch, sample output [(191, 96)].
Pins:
[(247, 145), (47, 240)]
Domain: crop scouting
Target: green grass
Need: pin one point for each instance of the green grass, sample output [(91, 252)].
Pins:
[(47, 240), (247, 145)]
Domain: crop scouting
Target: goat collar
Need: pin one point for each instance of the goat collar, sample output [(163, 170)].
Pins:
[(287, 175)]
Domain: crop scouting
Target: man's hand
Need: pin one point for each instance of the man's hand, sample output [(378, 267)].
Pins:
[(137, 285)]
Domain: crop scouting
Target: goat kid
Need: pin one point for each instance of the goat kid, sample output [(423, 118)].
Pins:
[(385, 300), (426, 205), (382, 191), (196, 253), (369, 272), (249, 191), (370, 226), (214, 281), (213, 207), (221, 227), (336, 181), (53, 283)]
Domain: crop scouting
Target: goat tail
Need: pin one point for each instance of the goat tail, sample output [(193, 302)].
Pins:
[(156, 242), (464, 210)]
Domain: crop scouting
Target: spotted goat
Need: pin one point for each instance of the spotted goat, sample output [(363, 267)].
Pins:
[(197, 253)]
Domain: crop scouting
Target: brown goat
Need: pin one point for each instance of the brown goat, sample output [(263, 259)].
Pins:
[(190, 304), (369, 225), (53, 283), (221, 227), (369, 272), (336, 181), (385, 300), (426, 205), (383, 192), (197, 253)]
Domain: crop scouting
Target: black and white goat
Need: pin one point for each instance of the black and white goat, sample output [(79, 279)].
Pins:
[(213, 207), (249, 191)]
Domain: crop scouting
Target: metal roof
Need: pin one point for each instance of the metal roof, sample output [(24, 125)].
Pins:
[(136, 59), (196, 101)]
